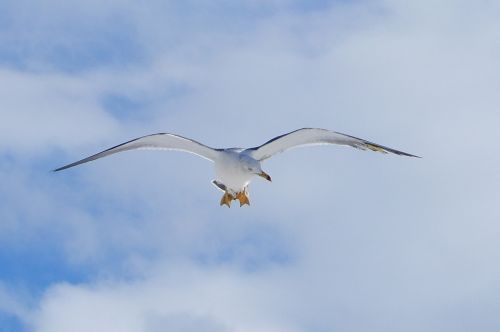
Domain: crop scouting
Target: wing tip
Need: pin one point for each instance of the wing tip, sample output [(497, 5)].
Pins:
[(400, 153), (59, 169), (407, 154), (62, 168), (384, 149)]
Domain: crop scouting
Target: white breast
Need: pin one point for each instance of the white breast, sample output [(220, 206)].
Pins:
[(230, 170)]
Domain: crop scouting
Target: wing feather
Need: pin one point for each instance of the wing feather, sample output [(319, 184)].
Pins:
[(156, 141), (316, 136)]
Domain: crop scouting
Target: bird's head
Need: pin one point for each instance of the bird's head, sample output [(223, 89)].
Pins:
[(264, 175), (253, 166)]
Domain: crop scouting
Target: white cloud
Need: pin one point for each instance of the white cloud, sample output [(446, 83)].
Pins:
[(224, 301), (41, 111)]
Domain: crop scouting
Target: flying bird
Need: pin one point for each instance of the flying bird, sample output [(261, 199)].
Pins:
[(236, 167)]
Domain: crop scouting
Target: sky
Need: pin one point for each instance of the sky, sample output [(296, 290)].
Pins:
[(341, 240)]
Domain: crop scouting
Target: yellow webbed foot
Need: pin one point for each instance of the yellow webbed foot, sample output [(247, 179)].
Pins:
[(226, 199), (243, 198)]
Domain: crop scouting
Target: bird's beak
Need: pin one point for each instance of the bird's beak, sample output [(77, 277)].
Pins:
[(264, 175)]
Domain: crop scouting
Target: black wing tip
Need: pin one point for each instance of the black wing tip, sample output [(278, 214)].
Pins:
[(400, 153), (60, 169), (70, 165)]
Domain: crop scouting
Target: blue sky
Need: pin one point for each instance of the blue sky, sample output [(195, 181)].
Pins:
[(341, 240)]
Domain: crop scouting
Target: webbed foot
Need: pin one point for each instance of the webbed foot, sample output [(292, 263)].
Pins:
[(226, 199), (242, 196)]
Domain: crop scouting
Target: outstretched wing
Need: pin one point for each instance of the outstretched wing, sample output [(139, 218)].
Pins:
[(156, 141), (315, 136)]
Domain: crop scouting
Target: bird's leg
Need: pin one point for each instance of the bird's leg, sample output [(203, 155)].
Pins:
[(226, 199), (242, 196)]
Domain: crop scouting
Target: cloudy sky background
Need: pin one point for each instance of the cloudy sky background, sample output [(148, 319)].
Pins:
[(342, 240)]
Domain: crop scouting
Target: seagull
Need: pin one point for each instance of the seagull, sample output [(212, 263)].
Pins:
[(236, 167)]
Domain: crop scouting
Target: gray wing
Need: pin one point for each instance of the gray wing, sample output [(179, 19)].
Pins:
[(156, 141), (316, 136)]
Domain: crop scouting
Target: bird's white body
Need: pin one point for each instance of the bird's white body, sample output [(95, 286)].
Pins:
[(235, 167)]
